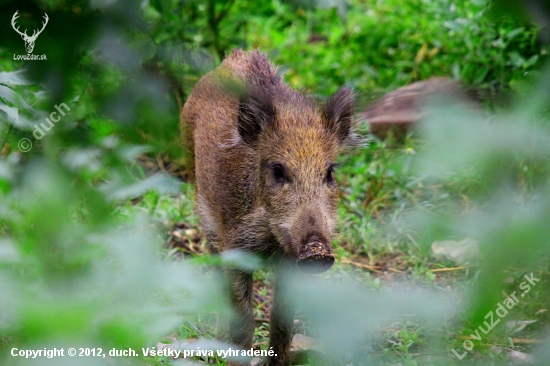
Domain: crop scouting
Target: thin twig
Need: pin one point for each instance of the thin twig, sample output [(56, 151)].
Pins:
[(160, 163), (527, 341), (450, 269), (395, 270), (361, 265)]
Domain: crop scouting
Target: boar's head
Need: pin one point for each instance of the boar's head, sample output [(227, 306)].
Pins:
[(297, 143)]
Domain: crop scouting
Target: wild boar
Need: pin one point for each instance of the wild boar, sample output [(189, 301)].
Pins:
[(264, 159)]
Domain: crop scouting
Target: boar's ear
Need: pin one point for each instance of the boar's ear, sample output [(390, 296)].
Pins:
[(256, 113), (338, 113)]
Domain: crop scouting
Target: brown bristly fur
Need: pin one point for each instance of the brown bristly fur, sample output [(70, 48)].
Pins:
[(264, 156)]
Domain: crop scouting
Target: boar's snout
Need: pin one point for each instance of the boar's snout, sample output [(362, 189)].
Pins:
[(315, 255)]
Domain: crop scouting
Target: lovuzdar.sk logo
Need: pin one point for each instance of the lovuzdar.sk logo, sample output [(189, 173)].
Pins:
[(29, 40)]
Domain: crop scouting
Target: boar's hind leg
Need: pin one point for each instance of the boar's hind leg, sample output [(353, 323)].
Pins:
[(241, 328), (281, 323)]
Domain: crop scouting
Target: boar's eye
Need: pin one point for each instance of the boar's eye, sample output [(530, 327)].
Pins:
[(329, 177), (279, 175)]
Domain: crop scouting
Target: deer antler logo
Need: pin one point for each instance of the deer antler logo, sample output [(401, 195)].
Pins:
[(29, 40)]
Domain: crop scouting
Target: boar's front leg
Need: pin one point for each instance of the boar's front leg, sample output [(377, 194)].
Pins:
[(281, 322), (241, 327)]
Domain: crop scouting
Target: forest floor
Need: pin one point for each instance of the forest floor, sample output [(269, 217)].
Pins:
[(376, 192)]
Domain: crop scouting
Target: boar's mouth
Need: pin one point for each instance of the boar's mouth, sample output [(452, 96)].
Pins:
[(315, 257)]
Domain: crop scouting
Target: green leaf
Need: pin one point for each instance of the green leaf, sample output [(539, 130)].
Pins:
[(118, 189), (12, 113), (13, 78), (14, 98)]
